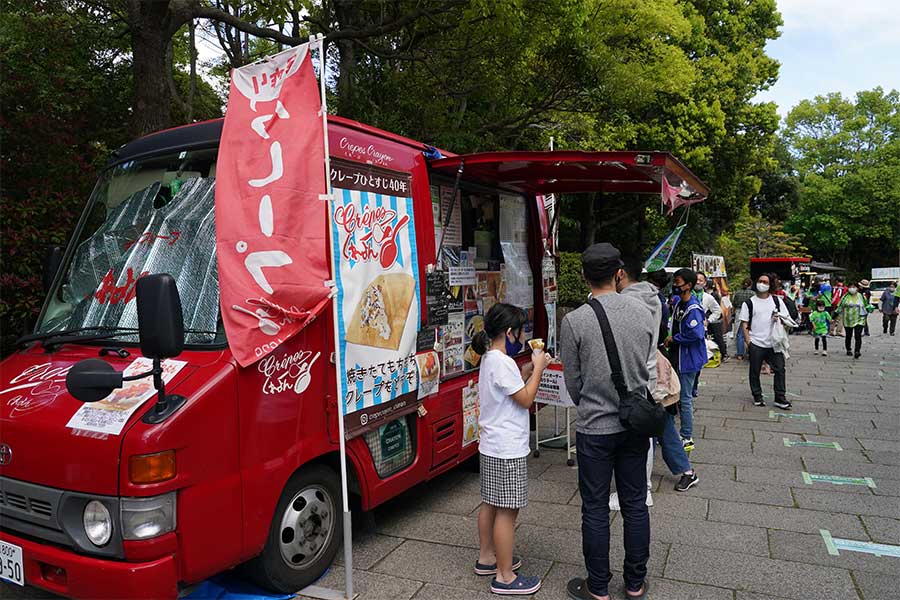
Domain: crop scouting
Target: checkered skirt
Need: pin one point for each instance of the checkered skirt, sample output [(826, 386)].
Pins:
[(504, 481)]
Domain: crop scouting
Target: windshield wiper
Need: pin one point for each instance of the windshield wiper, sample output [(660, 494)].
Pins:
[(54, 338)]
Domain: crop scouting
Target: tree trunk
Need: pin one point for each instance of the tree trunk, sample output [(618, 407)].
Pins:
[(193, 82), (345, 15), (149, 42)]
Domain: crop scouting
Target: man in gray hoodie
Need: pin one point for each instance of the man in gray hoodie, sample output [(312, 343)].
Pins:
[(604, 445)]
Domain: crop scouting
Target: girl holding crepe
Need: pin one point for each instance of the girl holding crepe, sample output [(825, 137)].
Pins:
[(504, 402)]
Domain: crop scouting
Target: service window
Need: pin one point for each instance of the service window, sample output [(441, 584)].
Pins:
[(485, 255)]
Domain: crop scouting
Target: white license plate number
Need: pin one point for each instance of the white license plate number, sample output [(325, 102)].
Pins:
[(12, 567)]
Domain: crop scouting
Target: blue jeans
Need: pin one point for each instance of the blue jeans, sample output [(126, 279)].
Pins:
[(599, 456), (672, 450), (740, 340), (686, 409)]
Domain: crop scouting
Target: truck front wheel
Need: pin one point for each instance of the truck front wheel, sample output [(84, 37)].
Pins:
[(305, 532)]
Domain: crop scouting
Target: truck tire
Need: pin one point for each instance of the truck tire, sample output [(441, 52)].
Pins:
[(305, 533)]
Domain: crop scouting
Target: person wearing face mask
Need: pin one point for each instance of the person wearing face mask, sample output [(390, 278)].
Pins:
[(890, 307), (505, 398), (687, 347), (713, 311), (758, 317), (853, 311)]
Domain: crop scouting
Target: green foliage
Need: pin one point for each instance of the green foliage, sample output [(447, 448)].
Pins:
[(65, 105), (753, 236), (848, 163), (572, 288)]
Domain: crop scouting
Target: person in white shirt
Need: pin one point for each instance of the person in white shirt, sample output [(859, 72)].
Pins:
[(758, 317), (504, 400)]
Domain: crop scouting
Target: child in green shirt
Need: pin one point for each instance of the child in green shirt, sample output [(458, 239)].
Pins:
[(821, 321)]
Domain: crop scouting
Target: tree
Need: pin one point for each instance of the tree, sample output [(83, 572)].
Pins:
[(848, 161)]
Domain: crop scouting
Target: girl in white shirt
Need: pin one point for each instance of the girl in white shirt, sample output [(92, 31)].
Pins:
[(504, 400)]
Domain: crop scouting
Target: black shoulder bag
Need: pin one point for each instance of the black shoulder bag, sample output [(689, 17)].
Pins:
[(638, 412)]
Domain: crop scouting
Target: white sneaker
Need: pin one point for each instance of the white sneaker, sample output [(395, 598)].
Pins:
[(824, 353), (614, 501), (815, 352), (649, 498)]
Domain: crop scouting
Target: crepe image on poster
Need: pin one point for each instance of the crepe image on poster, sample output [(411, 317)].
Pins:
[(470, 428), (474, 325), (453, 359), (429, 373), (381, 314)]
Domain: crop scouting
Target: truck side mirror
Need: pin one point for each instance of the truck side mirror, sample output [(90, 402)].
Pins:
[(52, 261), (92, 379), (160, 323)]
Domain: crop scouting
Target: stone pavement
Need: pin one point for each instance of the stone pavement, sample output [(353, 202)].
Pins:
[(749, 531)]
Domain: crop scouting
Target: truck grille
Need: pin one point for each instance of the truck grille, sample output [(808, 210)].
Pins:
[(29, 502), (32, 505)]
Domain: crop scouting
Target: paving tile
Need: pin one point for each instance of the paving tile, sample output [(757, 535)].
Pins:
[(368, 549), (433, 591), (369, 585), (871, 444), (735, 491), (876, 586), (560, 473), (809, 548), (456, 530), (681, 504), (542, 490), (565, 546), (794, 426), (725, 433), (773, 476), (882, 506), (883, 457), (748, 459), (564, 516), (445, 565), (790, 519), (676, 529), (757, 574), (882, 529)]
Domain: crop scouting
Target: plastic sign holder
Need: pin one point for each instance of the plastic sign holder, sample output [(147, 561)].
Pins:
[(794, 443), (835, 545), (809, 478)]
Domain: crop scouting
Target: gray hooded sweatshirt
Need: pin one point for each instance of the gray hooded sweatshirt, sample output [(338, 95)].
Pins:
[(648, 293)]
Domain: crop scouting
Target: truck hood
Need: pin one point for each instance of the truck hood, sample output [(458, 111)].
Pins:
[(35, 443)]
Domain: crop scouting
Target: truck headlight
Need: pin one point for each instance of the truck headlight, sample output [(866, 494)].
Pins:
[(97, 523), (144, 518)]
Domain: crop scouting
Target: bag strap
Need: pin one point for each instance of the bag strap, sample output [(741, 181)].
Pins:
[(611, 352)]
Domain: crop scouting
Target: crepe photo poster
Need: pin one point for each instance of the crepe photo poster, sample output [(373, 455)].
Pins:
[(377, 305)]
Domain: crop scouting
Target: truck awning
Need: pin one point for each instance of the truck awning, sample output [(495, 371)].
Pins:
[(569, 172)]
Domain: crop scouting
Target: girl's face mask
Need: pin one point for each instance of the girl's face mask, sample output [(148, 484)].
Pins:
[(514, 343)]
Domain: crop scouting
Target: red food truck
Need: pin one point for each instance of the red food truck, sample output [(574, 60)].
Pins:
[(131, 500)]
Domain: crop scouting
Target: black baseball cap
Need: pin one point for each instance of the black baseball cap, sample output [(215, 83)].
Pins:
[(600, 261)]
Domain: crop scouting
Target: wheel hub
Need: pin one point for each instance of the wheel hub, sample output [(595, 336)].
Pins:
[(307, 527)]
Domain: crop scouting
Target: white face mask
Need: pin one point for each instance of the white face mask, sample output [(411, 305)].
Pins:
[(698, 287), (852, 291), (762, 287)]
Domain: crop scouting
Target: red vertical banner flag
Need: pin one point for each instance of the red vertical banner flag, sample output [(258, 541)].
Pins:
[(271, 238)]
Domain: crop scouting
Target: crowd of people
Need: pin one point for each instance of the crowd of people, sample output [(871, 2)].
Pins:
[(647, 336)]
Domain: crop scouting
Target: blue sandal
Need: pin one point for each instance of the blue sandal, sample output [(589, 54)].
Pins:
[(483, 569), (520, 586)]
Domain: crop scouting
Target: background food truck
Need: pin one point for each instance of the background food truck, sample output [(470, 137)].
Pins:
[(111, 500), (882, 277)]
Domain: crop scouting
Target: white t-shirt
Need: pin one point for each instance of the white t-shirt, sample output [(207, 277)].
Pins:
[(761, 327), (504, 424), (711, 307)]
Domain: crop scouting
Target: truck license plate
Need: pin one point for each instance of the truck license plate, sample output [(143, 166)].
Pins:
[(12, 567)]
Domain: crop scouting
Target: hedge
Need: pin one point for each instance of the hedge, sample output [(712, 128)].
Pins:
[(573, 290)]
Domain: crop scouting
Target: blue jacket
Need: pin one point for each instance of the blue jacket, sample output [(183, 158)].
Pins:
[(691, 337)]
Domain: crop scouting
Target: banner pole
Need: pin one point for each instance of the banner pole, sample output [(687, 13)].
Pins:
[(347, 519)]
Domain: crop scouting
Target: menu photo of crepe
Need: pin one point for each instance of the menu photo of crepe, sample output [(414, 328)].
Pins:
[(380, 315)]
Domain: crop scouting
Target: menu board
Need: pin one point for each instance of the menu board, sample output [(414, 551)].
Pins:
[(437, 297)]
